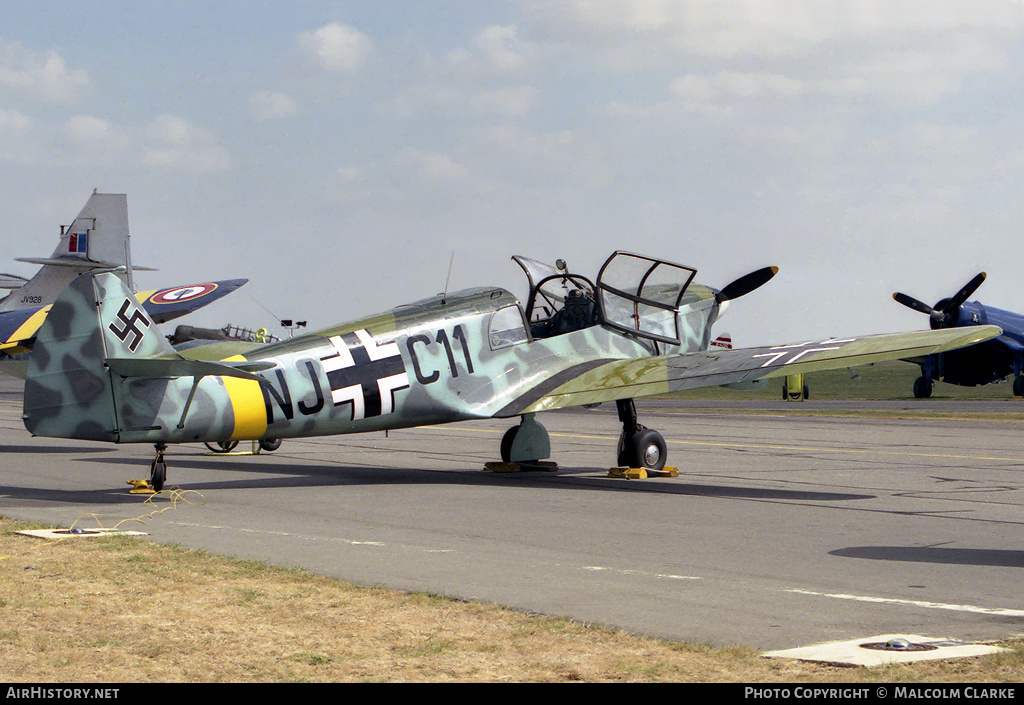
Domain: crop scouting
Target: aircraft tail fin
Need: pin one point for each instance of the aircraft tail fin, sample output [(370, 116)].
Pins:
[(101, 370), (97, 239), (722, 342), (69, 390)]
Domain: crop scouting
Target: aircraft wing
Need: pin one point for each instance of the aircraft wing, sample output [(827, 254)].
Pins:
[(1002, 347), (18, 327), (624, 379), (167, 304)]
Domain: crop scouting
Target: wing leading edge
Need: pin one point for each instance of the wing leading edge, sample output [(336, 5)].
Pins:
[(624, 379), (18, 328)]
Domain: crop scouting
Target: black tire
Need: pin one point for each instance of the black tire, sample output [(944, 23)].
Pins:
[(222, 446), (158, 474), (506, 444), (1018, 386), (922, 387), (624, 453), (645, 449), (270, 444)]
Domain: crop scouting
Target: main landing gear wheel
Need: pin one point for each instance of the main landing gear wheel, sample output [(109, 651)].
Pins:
[(270, 444), (639, 447), (923, 387), (1018, 386), (158, 469), (223, 446), (644, 449)]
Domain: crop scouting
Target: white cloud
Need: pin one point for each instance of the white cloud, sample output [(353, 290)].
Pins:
[(271, 105), (561, 157), (94, 134), (756, 27), (172, 142), (14, 123), (44, 75), (348, 174), (448, 99), (495, 50), (16, 143), (336, 47), (431, 167), (508, 101)]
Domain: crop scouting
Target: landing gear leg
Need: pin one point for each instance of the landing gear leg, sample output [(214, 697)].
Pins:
[(639, 447), (158, 470)]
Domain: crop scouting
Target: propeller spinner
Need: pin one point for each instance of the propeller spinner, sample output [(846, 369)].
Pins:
[(944, 313), (745, 284)]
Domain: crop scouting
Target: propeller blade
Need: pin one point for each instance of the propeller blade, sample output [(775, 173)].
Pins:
[(913, 303), (963, 294), (745, 284)]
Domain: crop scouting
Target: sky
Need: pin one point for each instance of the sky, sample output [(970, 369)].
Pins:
[(350, 156)]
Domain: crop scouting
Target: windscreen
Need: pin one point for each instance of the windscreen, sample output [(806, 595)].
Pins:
[(641, 295)]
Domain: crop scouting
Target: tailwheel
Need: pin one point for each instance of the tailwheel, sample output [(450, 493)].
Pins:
[(270, 444), (158, 469)]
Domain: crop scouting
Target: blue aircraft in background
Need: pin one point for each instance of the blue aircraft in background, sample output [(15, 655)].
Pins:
[(987, 362)]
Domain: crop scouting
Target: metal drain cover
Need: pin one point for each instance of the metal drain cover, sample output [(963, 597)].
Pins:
[(898, 644), (885, 649)]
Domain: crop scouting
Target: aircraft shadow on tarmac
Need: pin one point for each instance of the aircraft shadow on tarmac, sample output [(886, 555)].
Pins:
[(304, 474), (49, 450), (935, 554), (107, 495)]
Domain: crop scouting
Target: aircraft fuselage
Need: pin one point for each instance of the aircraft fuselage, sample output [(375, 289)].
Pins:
[(466, 356)]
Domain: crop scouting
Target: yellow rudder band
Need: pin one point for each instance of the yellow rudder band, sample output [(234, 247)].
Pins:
[(249, 408)]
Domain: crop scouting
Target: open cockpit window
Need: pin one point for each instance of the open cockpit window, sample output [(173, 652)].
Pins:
[(507, 327), (558, 302), (641, 295)]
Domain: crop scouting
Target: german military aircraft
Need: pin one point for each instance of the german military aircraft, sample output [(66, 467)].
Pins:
[(642, 327), (96, 240), (984, 363)]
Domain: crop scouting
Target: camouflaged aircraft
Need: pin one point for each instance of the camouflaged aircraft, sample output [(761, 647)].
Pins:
[(96, 240), (102, 372)]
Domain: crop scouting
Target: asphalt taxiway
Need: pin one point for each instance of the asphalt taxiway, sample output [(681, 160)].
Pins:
[(783, 528)]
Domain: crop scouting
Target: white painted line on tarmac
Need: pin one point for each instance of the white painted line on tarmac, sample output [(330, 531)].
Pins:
[(995, 611), (627, 571)]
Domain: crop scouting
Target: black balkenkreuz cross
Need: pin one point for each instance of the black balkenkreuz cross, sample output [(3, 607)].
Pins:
[(128, 326), (364, 374)]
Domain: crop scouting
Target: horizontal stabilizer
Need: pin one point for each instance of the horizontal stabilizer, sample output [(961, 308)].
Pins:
[(170, 368), (83, 264)]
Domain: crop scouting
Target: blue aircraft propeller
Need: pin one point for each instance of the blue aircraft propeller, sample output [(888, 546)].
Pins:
[(945, 313)]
